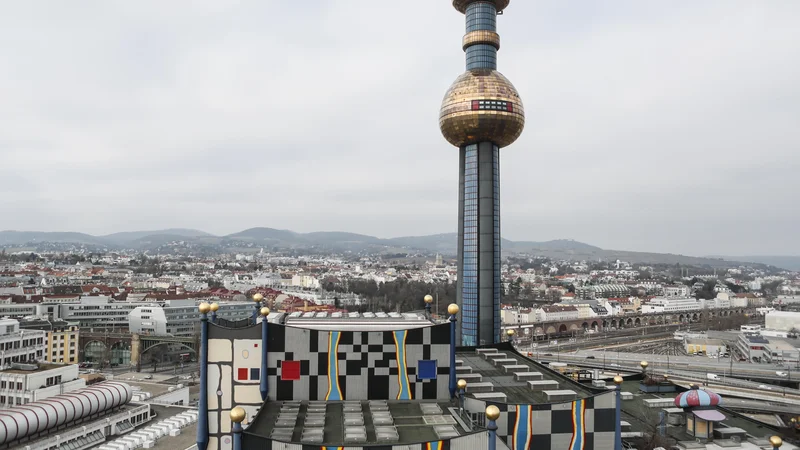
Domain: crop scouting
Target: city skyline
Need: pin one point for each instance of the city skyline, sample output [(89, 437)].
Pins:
[(653, 128)]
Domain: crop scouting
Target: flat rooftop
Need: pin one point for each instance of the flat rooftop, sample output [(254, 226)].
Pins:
[(510, 375), (368, 321), (357, 423), (641, 417), (42, 368)]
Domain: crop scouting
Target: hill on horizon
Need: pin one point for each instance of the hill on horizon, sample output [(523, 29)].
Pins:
[(443, 243)]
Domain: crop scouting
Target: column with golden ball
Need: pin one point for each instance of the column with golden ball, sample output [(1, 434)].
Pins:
[(238, 415), (492, 414), (214, 309), (618, 420), (428, 300), (202, 404), (776, 442), (452, 310), (263, 382), (257, 298)]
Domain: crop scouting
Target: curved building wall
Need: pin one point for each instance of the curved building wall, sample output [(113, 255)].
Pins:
[(32, 418)]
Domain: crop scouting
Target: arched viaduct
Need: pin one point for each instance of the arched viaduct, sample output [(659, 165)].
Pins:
[(102, 347), (601, 323)]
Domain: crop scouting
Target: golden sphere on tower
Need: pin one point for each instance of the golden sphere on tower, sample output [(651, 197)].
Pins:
[(492, 412), (482, 106), (452, 309), (258, 297), (265, 311), (238, 414), (644, 364), (204, 308), (776, 441), (214, 307), (429, 299), (618, 380), (510, 333), (462, 384)]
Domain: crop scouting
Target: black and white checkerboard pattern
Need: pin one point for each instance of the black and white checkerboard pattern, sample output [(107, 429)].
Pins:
[(368, 368)]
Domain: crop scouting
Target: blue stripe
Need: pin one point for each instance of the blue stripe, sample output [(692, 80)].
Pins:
[(333, 367), (523, 419), (402, 365), (578, 431)]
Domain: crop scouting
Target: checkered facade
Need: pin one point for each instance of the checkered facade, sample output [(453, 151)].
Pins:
[(552, 424), (367, 363), (373, 365)]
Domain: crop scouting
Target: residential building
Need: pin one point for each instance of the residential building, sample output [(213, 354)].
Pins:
[(18, 345), (62, 339), (516, 315), (678, 290), (24, 383), (556, 312)]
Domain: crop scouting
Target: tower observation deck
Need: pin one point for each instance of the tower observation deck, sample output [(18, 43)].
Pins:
[(481, 113)]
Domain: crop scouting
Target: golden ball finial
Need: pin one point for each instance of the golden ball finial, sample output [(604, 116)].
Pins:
[(214, 307), (618, 380), (776, 441), (492, 412), (452, 309), (238, 414), (428, 299), (258, 297), (644, 364), (462, 384), (793, 420), (204, 308), (265, 311), (510, 332)]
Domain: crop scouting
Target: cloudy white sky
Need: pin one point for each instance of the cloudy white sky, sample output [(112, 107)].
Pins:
[(652, 126)]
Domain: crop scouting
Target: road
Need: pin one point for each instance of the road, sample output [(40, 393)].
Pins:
[(722, 367)]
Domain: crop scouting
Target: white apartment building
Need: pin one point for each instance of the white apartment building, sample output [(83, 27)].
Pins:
[(25, 383), (678, 290), (97, 312), (20, 345), (662, 305), (517, 315), (555, 312), (305, 281), (179, 317)]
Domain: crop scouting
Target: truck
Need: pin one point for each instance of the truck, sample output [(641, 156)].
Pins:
[(713, 377)]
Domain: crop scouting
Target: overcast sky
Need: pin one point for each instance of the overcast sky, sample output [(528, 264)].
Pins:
[(652, 126)]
